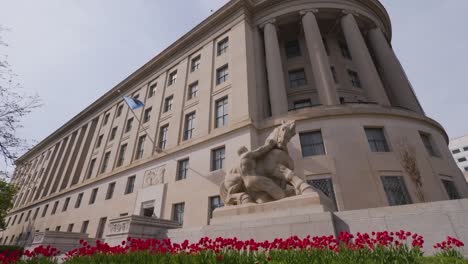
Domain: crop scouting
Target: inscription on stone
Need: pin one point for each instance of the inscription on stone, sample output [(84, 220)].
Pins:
[(121, 227), (38, 238)]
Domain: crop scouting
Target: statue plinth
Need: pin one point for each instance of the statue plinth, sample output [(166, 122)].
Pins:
[(289, 207)]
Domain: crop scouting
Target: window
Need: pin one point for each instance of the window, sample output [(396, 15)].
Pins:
[(130, 184), (333, 71), (466, 168), (54, 209), (462, 159), (70, 228), (182, 169), (312, 144), (106, 119), (223, 46), (92, 198), (396, 191), (36, 213), (451, 189), (221, 114), (101, 227), (99, 141), (195, 64), (105, 162), (302, 104), (376, 139), (427, 141), (44, 212), (297, 78), (168, 103), (27, 216), (147, 115), (326, 186), (456, 151), (84, 226), (122, 151), (222, 74), (189, 125), (293, 49), (217, 159), (21, 218), (57, 229), (345, 51), (152, 90), (140, 147), (113, 133), (136, 96), (193, 90), (65, 204), (119, 110), (172, 78), (215, 202), (128, 126), (91, 168), (178, 213), (465, 148), (110, 190), (163, 136), (148, 209), (354, 78), (78, 200), (14, 220)]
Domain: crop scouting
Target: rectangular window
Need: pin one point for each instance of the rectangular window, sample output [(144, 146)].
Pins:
[(130, 184), (93, 196), (65, 204), (223, 46), (456, 151), (99, 141), (163, 136), (376, 139), (354, 79), (466, 168), (396, 191), (101, 227), (78, 200), (113, 133), (172, 78), (84, 227), (14, 219), (312, 144), (345, 51), (222, 74), (119, 110), (152, 90), (182, 169), (54, 209), (44, 212), (129, 124), (451, 189), (189, 126), (36, 213), (462, 159), (122, 151), (221, 114), (106, 119), (21, 218), (293, 49), (168, 103), (215, 202), (302, 104), (333, 71), (428, 143), (70, 228), (195, 64), (326, 186), (465, 148), (105, 162), (147, 115), (57, 229), (178, 212), (217, 158), (91, 168), (27, 216), (140, 147), (193, 90), (297, 78), (110, 190)]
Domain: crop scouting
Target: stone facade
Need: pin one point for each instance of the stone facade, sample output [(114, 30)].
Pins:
[(459, 148), (326, 64)]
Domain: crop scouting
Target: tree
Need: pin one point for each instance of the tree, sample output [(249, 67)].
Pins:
[(7, 192)]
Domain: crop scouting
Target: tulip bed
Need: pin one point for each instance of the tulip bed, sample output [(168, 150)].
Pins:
[(376, 247)]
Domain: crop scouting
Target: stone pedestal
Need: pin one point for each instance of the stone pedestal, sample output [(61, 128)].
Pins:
[(63, 241), (138, 227)]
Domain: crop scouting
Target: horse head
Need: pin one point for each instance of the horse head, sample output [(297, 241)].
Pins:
[(283, 134)]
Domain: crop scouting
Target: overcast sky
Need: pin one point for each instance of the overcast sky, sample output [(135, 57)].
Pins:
[(71, 52)]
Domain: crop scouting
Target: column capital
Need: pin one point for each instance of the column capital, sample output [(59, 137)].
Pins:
[(349, 12), (270, 21), (305, 11)]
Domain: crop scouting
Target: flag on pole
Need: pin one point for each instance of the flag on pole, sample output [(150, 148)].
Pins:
[(133, 103)]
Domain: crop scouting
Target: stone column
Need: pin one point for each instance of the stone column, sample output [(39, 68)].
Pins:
[(276, 82), (400, 89), (324, 82), (363, 61)]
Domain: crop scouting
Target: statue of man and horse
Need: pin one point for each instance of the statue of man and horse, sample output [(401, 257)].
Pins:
[(265, 174)]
